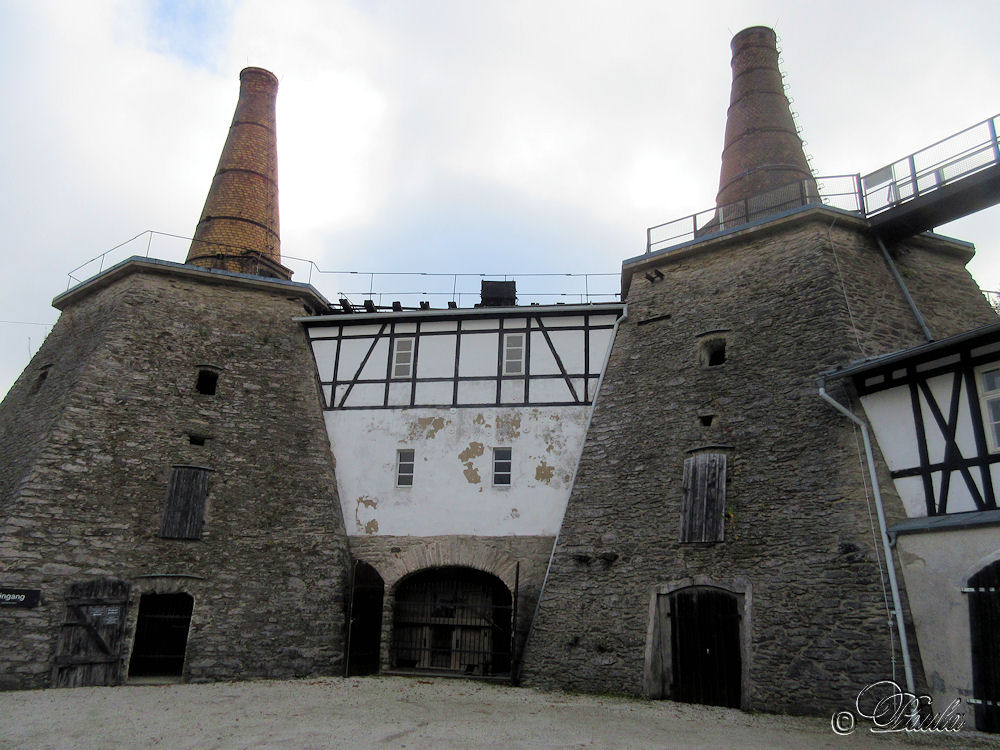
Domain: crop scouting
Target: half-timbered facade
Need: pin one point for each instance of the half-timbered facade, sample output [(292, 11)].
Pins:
[(935, 410), (457, 431)]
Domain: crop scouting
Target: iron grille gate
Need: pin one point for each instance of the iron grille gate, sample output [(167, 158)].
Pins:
[(453, 620)]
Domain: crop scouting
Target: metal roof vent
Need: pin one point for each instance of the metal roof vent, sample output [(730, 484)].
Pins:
[(498, 294)]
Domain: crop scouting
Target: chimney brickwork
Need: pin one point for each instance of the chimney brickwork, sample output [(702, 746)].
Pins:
[(239, 229), (762, 150)]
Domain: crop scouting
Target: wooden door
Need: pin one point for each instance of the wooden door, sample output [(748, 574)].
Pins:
[(706, 661), (89, 650), (984, 622)]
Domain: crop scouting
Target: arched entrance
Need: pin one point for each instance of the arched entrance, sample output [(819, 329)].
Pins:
[(364, 620), (984, 623), (161, 632), (452, 620)]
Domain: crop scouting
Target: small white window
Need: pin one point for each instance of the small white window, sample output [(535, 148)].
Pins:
[(513, 354), (404, 467), (402, 361), (501, 466), (989, 398)]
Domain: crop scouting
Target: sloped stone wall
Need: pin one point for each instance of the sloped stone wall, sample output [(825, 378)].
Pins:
[(791, 299), (268, 573)]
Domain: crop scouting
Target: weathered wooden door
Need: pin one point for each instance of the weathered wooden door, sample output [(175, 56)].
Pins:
[(89, 651), (706, 660), (984, 622)]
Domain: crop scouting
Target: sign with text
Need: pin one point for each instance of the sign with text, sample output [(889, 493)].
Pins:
[(22, 598)]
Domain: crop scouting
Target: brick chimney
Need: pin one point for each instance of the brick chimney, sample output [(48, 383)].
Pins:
[(763, 151), (238, 229)]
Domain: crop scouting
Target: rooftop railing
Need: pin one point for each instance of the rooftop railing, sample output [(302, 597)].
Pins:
[(944, 163)]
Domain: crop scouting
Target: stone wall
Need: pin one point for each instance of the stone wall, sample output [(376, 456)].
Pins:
[(791, 299), (117, 410)]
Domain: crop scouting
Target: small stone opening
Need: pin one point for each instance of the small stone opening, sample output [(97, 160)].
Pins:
[(712, 350), (39, 380), (706, 420), (197, 439), (207, 381)]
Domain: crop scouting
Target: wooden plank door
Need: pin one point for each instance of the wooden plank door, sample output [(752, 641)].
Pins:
[(89, 650), (984, 621)]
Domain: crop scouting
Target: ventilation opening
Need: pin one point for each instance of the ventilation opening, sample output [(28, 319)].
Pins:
[(207, 382), (712, 351), (161, 632), (706, 420), (42, 375), (197, 439)]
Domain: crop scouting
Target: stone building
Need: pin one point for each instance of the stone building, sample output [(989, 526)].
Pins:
[(648, 498)]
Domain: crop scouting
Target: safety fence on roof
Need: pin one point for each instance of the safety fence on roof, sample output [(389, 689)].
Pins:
[(410, 289), (946, 162)]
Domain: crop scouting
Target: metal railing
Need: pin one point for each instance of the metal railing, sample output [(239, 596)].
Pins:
[(436, 289), (946, 162), (839, 191)]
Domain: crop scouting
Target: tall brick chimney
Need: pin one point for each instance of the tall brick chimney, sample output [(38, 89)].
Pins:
[(238, 229), (763, 150)]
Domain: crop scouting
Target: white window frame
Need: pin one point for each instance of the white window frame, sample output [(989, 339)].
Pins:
[(513, 342), (402, 358), (406, 459), (986, 397), (503, 466)]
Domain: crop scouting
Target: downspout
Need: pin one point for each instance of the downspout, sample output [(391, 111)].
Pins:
[(906, 292), (555, 542), (886, 544)]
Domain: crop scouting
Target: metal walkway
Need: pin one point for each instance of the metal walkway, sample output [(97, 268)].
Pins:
[(950, 179)]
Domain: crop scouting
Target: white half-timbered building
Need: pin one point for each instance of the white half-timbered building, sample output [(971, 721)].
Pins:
[(935, 411), (456, 434)]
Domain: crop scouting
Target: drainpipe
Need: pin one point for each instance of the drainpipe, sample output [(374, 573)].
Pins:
[(555, 543), (906, 292), (886, 545)]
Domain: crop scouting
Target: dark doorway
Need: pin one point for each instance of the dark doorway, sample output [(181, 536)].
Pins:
[(161, 632), (984, 622), (453, 620), (706, 661), (364, 620)]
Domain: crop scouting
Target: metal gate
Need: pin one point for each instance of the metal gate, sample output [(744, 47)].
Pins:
[(984, 623), (707, 665), (453, 620), (89, 651), (161, 631)]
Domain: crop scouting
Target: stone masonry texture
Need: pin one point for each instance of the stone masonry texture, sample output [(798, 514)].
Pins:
[(88, 452), (793, 298)]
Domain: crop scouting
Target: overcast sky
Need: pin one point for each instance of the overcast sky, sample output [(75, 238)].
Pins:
[(444, 136)]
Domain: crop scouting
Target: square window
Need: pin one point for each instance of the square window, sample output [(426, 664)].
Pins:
[(513, 354), (501, 466), (402, 361), (404, 467)]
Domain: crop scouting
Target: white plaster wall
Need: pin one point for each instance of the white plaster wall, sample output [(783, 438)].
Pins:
[(453, 490), (936, 566)]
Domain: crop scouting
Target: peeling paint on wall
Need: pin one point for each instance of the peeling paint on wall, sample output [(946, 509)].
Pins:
[(508, 427), (471, 473), (371, 527), (368, 502), (473, 451), (426, 427), (481, 420), (544, 472)]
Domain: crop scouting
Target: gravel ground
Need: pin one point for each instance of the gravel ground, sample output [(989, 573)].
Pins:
[(397, 712)]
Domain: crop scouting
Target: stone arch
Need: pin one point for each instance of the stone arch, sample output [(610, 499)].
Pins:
[(463, 552)]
